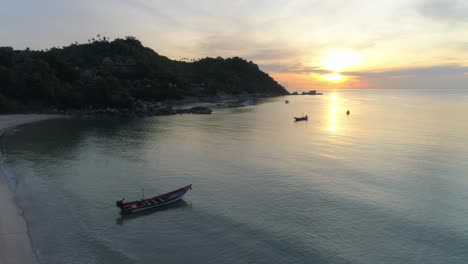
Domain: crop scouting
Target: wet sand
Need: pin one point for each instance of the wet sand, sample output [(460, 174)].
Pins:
[(15, 244)]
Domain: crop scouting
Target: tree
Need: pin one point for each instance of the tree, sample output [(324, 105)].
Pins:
[(77, 75), (33, 79), (6, 56), (4, 78)]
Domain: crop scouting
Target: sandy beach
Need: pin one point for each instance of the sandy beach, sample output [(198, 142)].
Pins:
[(15, 244)]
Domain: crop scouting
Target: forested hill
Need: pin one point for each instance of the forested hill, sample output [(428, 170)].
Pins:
[(117, 73)]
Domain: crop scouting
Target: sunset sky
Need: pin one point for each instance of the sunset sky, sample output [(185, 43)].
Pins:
[(303, 44)]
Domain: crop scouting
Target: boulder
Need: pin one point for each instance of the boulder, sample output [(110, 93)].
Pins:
[(201, 110)]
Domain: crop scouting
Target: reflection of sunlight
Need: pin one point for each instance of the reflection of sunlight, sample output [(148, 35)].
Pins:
[(333, 113)]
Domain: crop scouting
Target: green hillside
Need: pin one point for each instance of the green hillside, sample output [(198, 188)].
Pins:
[(116, 73)]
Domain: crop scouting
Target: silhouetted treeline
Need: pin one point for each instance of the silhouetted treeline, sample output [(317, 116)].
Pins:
[(116, 73)]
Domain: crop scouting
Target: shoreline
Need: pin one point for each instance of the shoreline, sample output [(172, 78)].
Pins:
[(15, 242), (142, 108)]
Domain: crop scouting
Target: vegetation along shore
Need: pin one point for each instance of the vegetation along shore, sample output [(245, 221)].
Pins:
[(121, 76)]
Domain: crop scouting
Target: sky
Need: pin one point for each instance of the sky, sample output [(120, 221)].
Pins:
[(303, 44)]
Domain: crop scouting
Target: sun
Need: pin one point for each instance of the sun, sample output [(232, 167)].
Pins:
[(334, 77), (337, 61)]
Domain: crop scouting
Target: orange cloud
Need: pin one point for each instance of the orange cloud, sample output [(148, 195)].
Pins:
[(297, 81)]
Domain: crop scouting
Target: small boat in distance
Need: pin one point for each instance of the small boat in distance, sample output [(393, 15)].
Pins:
[(153, 202), (287, 101), (303, 118)]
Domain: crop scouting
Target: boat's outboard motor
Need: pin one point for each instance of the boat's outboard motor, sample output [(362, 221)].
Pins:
[(119, 203)]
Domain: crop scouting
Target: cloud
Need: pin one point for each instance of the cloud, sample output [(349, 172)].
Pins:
[(435, 77), (449, 76), (449, 70), (267, 53), (281, 36), (445, 10), (297, 68), (433, 71), (152, 11), (261, 52)]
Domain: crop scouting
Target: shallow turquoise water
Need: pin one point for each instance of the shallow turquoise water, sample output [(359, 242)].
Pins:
[(387, 184)]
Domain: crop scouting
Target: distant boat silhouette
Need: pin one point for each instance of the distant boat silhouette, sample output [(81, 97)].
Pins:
[(303, 118), (287, 101)]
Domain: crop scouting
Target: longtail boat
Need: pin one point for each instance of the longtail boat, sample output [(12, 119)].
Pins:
[(303, 118), (153, 202)]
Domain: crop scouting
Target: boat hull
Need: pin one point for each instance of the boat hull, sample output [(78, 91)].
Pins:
[(153, 202), (297, 119), (152, 207)]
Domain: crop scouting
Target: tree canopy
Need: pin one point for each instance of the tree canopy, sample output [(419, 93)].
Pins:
[(105, 73)]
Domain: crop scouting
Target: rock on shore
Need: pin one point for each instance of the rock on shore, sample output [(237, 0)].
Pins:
[(141, 108)]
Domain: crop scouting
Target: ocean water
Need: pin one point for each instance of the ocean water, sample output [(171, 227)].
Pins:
[(386, 184)]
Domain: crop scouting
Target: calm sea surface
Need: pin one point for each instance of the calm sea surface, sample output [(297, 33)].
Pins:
[(387, 184)]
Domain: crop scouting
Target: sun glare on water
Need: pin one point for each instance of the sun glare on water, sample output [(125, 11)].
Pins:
[(333, 113)]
